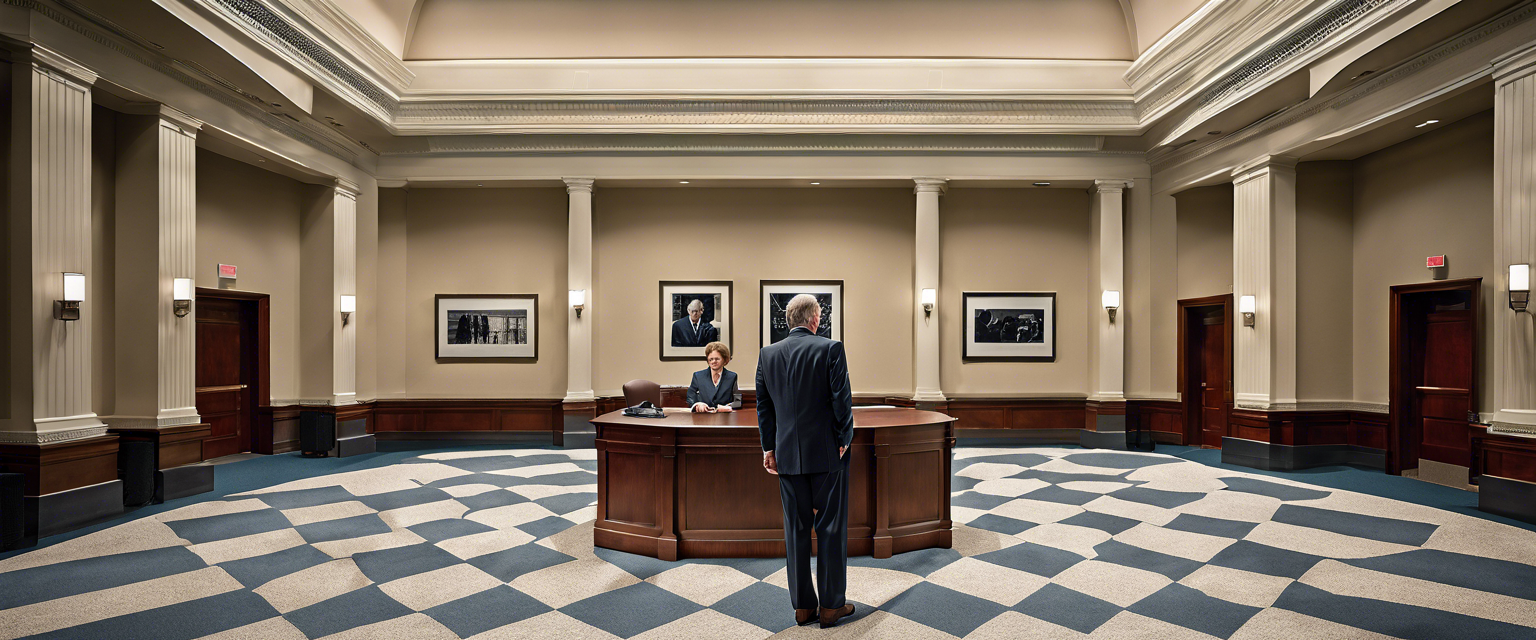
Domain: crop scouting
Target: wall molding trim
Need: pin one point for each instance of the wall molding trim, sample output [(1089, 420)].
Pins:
[(50, 437)]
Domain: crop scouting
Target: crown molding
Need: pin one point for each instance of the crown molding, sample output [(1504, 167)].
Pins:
[(801, 144), (324, 20)]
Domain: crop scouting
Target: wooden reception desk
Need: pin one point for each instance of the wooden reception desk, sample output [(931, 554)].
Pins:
[(692, 485)]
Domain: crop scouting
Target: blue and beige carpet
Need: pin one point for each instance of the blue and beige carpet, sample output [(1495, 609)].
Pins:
[(1049, 543)]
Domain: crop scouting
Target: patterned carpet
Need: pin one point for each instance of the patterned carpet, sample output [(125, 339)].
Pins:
[(1049, 543)]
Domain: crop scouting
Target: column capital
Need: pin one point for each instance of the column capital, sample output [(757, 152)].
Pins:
[(931, 185), (1263, 165), (578, 185), (59, 66), (1514, 66), (1110, 186), (169, 116), (346, 188)]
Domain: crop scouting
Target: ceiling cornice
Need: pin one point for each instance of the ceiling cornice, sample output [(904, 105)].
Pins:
[(799, 145), (329, 23)]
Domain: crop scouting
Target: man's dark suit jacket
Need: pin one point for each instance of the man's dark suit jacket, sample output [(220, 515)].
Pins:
[(703, 388), (804, 403), (682, 333)]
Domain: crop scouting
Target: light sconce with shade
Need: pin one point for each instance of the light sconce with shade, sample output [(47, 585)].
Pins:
[(578, 300), (181, 296), (1519, 286), (1245, 306), (929, 297), (67, 307), (348, 307), (1111, 303)]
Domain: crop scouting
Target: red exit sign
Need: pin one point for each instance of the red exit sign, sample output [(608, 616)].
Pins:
[(227, 271), (1434, 261)]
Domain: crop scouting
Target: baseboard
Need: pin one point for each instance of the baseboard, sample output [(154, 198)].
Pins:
[(1116, 440), (542, 437), (286, 446), (355, 445), (977, 437), (69, 510), (183, 481), (1507, 497), (1281, 457)]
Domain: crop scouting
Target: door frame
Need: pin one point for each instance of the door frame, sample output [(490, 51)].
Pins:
[(1398, 395), (1187, 399), (259, 405)]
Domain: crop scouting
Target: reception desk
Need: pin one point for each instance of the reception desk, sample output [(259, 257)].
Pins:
[(692, 485)]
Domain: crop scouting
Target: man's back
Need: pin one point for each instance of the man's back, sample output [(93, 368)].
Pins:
[(804, 404)]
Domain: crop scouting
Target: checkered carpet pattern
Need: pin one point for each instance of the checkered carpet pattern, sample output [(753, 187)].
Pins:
[(1049, 543)]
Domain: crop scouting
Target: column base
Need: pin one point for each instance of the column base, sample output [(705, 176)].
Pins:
[(1519, 421), (180, 482), (576, 430), (1507, 497), (1283, 457), (65, 511)]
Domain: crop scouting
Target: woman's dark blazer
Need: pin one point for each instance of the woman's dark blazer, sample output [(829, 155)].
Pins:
[(703, 390)]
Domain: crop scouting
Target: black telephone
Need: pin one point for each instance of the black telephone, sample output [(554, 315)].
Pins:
[(645, 410)]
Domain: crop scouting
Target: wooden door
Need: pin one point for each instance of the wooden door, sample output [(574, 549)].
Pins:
[(1444, 397), (1212, 380), (222, 387)]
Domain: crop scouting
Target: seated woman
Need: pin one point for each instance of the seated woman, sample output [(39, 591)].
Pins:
[(713, 389)]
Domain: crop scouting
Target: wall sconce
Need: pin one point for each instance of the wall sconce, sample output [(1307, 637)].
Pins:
[(348, 305), (578, 300), (929, 297), (1245, 306), (1519, 286), (1111, 303), (68, 307), (181, 296)]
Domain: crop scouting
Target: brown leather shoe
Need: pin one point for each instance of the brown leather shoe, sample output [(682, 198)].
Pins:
[(829, 617), (806, 616)]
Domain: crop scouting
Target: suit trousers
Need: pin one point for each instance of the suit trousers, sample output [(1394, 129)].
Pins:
[(816, 501)]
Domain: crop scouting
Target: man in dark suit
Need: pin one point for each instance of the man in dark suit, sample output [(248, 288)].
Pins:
[(805, 418), (691, 330)]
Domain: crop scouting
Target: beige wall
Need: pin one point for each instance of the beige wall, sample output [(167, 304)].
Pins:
[(778, 28), (394, 299), (249, 217), (1324, 281), (1205, 241), (475, 241), (860, 236), (1015, 240), (101, 279), (1426, 196)]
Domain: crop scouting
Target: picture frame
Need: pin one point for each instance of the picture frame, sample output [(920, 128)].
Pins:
[(677, 339), (775, 294), (1008, 326), (499, 327)]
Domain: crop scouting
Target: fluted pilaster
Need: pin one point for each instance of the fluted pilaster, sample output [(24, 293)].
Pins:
[(1108, 230), (579, 277), (344, 272), (1514, 239), (925, 275), (1264, 266)]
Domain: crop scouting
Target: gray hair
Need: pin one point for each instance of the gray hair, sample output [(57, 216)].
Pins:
[(801, 310), (696, 303)]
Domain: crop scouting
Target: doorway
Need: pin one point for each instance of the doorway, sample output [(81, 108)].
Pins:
[(232, 370), (1433, 396), (1205, 368)]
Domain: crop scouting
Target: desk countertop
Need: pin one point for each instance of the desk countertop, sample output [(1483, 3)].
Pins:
[(863, 418)]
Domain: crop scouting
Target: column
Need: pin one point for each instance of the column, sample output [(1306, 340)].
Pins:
[(580, 404), (925, 325), (156, 209), (49, 234), (1514, 240), (1108, 227), (1264, 266), (344, 275)]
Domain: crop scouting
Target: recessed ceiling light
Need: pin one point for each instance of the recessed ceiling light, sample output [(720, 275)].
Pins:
[(815, 183), (682, 182), (1425, 124), (479, 185), (1213, 133), (1042, 184)]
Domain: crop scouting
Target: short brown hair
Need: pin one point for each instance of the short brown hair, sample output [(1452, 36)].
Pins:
[(725, 352), (801, 309)]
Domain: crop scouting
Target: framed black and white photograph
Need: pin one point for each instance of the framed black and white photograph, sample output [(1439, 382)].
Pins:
[(776, 295), (694, 314), (487, 326), (1010, 327)]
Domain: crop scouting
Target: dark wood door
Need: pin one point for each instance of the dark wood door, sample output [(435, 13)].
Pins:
[(1212, 380), (1443, 399), (222, 387)]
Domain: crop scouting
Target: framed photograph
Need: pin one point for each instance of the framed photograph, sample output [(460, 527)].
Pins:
[(694, 314), (776, 295), (487, 326), (1010, 327)]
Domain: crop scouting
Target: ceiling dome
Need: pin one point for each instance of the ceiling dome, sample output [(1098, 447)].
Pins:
[(535, 29)]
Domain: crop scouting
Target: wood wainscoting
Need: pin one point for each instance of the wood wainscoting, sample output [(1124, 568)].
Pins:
[(66, 484), (1504, 468), (1285, 440)]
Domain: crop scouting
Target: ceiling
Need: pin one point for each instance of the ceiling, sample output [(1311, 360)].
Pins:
[(541, 29)]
